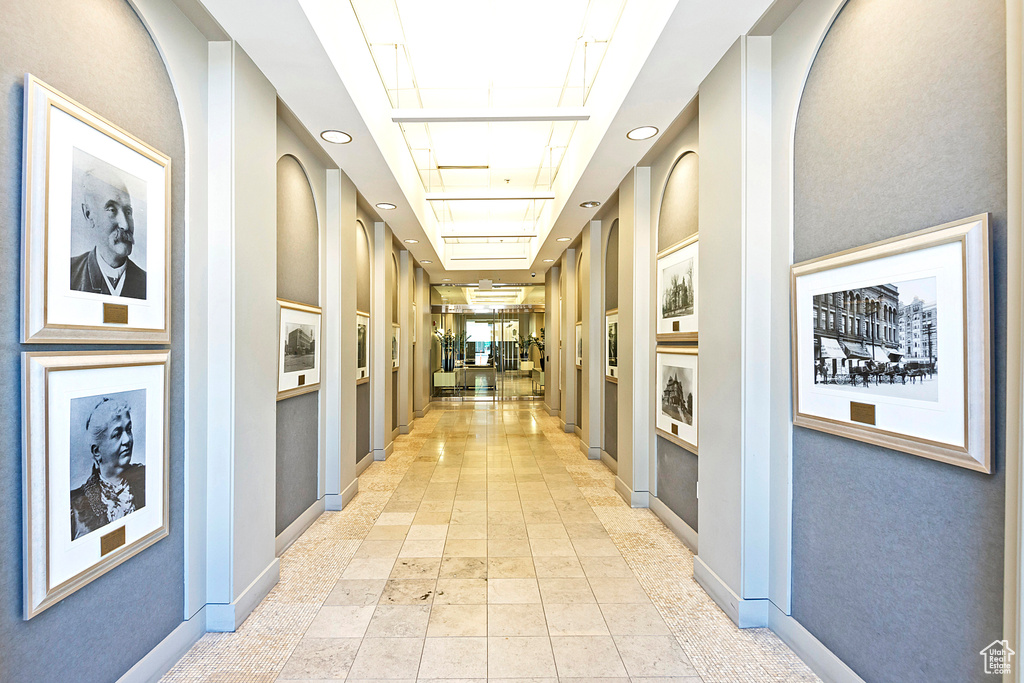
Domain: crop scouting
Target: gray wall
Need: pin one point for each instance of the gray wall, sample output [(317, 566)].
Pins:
[(298, 268), (677, 480), (124, 80), (611, 300), (897, 560), (678, 214)]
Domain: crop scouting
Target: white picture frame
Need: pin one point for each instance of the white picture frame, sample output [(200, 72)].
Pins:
[(678, 285), (298, 353), (892, 346), (415, 322), (579, 345), (91, 416), (362, 347), (677, 397), (396, 345), (96, 228), (611, 344)]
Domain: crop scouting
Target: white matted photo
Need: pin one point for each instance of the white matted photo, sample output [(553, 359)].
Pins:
[(579, 345), (362, 346), (892, 347), (415, 322), (677, 395), (95, 471), (677, 291), (396, 338), (611, 327), (299, 349), (96, 227)]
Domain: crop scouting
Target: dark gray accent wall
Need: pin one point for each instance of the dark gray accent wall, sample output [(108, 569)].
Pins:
[(137, 604), (394, 399), (677, 219), (579, 391), (677, 480), (298, 279), (898, 560), (363, 420), (611, 423)]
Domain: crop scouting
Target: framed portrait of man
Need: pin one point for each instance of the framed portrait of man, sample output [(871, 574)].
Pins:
[(362, 347), (95, 480), (298, 349), (96, 227)]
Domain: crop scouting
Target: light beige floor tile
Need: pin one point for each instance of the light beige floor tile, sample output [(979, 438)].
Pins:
[(408, 592), (578, 656), (595, 547), (497, 505), (395, 518), (416, 568), (510, 568), (387, 658), (547, 531), (370, 568), (463, 568), (508, 548), (424, 517), (454, 658), (605, 567), (551, 547), (457, 620), (455, 547), (461, 592), (516, 620), (512, 591), (469, 517), (574, 591), (625, 619), (653, 656), (356, 592), (427, 532), (558, 567), (618, 590), (507, 532), (340, 621), (537, 516), (399, 621), (467, 531), (387, 533), (574, 619), (431, 548), (519, 658), (368, 549), (321, 658)]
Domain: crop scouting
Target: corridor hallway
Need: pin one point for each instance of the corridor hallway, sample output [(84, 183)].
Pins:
[(488, 546)]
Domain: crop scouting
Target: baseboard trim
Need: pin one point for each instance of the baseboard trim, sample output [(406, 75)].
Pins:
[(593, 453), (610, 462), (365, 462), (578, 431), (291, 534), (814, 653), (635, 499), (744, 613), (380, 454), (419, 413), (221, 618), (622, 489), (403, 429), (389, 449), (167, 652), (584, 448), (674, 522), (395, 432), (570, 427), (338, 501)]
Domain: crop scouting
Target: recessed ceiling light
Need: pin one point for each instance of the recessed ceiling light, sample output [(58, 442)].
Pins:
[(562, 239), (425, 262), (412, 241), (336, 136), (590, 205), (387, 206), (642, 133), (446, 279), (549, 260)]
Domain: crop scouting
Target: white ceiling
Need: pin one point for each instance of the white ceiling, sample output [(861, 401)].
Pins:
[(353, 64)]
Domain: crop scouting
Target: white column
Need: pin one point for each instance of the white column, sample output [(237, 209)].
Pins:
[(593, 342), (568, 337), (380, 342), (424, 337), (405, 368), (552, 316)]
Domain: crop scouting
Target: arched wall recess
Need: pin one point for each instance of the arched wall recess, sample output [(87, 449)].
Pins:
[(677, 217), (878, 151)]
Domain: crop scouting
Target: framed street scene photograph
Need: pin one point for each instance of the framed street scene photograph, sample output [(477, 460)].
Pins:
[(612, 343), (396, 334), (95, 469), (892, 345), (677, 395), (677, 292), (362, 346), (95, 228), (415, 322), (579, 345), (299, 351)]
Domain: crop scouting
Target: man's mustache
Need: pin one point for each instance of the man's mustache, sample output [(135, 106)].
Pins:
[(124, 236)]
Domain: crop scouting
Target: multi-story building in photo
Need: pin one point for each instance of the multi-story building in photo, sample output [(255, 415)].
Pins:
[(918, 330), (852, 324), (300, 342)]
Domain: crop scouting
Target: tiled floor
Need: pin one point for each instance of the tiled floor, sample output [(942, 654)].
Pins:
[(488, 546)]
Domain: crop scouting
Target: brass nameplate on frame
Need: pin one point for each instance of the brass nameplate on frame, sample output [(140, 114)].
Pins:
[(112, 541), (302, 380), (115, 313), (675, 430), (862, 412), (675, 325)]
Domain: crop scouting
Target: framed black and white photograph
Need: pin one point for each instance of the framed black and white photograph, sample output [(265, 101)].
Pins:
[(891, 343), (677, 292), (415, 322), (611, 326), (299, 349), (362, 346), (96, 227), (579, 345), (396, 338), (95, 480), (677, 395)]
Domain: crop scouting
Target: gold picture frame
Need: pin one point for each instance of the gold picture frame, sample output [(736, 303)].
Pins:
[(671, 329), (669, 426), (396, 346), (932, 393), (299, 327), (363, 347), (72, 155), (56, 386), (611, 345)]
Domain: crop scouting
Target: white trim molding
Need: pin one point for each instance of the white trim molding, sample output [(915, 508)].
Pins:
[(291, 534), (226, 618), (680, 528), (168, 651), (337, 502), (821, 660), (744, 613)]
